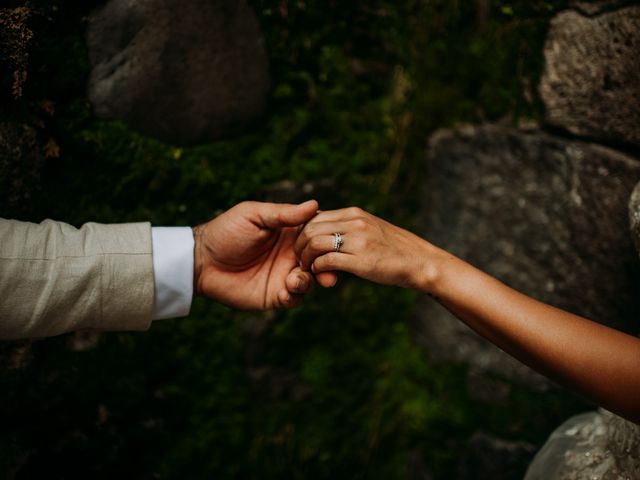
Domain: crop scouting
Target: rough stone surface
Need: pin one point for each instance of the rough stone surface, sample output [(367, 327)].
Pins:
[(549, 463), (592, 8), (184, 72), (588, 446), (21, 164), (634, 216), (591, 82), (487, 456), (545, 215)]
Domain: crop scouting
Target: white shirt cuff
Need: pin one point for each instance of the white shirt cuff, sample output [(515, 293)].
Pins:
[(172, 271)]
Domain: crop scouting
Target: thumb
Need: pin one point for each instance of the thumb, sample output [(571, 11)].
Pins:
[(278, 215), (327, 279)]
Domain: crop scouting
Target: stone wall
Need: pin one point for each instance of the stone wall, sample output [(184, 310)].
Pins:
[(544, 210), (545, 215)]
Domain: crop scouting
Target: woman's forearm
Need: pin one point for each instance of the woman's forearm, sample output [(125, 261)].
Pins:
[(596, 361), (599, 362)]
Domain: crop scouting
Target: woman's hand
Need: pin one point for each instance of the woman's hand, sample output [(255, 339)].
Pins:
[(372, 249), (597, 361)]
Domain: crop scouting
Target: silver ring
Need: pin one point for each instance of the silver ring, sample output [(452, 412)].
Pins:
[(337, 242)]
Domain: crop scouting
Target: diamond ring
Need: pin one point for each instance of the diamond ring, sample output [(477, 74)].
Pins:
[(337, 242)]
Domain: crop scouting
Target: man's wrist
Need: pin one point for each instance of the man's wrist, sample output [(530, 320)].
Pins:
[(198, 233)]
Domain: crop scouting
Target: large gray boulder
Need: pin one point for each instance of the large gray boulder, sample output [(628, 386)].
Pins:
[(548, 216), (183, 72), (576, 449), (594, 445), (591, 81)]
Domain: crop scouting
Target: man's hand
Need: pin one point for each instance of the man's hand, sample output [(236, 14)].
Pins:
[(244, 258)]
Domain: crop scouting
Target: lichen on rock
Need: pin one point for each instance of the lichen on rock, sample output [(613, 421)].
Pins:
[(591, 82), (15, 37)]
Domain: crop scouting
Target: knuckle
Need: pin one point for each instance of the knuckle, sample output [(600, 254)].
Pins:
[(315, 243), (303, 238), (356, 211), (330, 260), (308, 231), (360, 223)]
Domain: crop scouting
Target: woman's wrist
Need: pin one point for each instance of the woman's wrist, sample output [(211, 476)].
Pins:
[(430, 269)]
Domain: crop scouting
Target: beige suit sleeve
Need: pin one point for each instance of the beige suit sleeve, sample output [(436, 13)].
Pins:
[(55, 278)]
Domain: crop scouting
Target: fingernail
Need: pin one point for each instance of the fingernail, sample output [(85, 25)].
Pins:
[(335, 280), (299, 284)]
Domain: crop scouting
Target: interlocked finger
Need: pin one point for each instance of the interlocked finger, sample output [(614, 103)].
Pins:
[(321, 245), (321, 229)]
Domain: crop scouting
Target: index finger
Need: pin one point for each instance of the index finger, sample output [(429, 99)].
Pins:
[(338, 215), (318, 225)]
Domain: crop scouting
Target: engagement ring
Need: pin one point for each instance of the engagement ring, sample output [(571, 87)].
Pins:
[(337, 242)]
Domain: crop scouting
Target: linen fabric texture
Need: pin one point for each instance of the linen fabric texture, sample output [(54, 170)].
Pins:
[(55, 278)]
